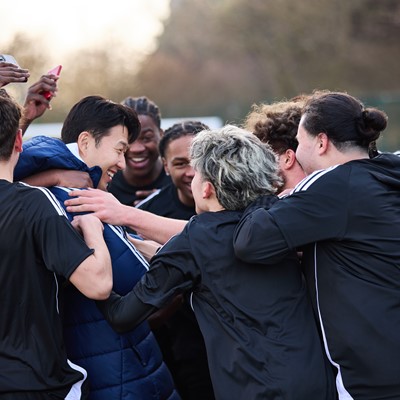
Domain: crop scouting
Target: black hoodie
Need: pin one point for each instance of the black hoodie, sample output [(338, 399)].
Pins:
[(346, 220)]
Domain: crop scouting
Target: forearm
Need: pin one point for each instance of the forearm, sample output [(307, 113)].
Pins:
[(124, 313), (46, 178), (102, 267), (152, 226), (157, 319), (93, 277), (110, 210), (24, 124), (146, 247)]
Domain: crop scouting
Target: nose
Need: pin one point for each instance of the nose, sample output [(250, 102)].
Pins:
[(121, 164), (189, 171), (136, 147)]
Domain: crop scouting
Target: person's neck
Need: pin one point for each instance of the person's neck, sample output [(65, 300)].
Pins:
[(213, 205), (185, 200), (7, 170), (148, 179), (292, 177), (339, 157)]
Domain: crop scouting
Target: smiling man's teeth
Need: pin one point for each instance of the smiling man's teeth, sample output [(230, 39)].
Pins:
[(110, 174), (138, 159)]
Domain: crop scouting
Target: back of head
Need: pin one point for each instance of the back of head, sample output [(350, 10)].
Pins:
[(98, 115), (237, 163), (185, 128), (10, 114), (344, 119), (276, 123), (144, 106)]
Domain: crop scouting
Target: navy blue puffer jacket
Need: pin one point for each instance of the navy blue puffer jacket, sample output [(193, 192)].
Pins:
[(120, 367)]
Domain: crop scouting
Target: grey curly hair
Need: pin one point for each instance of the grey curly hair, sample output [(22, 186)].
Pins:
[(240, 167)]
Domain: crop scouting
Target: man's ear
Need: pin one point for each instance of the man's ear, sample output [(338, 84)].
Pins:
[(208, 190), (18, 142), (164, 161), (323, 143), (83, 142), (289, 159)]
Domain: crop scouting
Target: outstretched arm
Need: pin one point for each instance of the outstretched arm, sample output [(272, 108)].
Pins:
[(60, 177), (266, 233), (110, 210), (173, 271), (159, 289), (124, 313)]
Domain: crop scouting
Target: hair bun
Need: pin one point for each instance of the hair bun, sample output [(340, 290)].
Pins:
[(374, 121)]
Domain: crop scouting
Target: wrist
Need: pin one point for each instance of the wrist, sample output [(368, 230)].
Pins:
[(24, 123)]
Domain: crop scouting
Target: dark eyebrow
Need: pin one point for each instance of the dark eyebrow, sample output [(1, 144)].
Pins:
[(180, 159)]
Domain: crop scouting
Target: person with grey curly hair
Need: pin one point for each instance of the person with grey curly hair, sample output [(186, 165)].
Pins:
[(261, 338), (238, 165)]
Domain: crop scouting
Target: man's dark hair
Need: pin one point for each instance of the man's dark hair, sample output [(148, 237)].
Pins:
[(10, 114), (144, 106), (344, 119), (97, 116), (178, 130), (276, 123)]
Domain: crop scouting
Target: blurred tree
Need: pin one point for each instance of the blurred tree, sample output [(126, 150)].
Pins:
[(28, 57), (220, 57), (101, 70)]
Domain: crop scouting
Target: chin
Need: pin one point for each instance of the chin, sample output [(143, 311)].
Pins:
[(102, 186)]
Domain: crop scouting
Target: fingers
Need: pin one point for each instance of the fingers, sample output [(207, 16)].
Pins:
[(77, 208), (144, 193), (35, 99), (12, 73), (76, 223), (45, 84), (12, 67), (85, 193), (81, 204), (87, 222)]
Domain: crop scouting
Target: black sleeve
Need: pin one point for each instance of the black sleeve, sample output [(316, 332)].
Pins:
[(265, 236), (171, 272), (123, 313), (264, 202), (248, 238), (60, 245), (257, 239)]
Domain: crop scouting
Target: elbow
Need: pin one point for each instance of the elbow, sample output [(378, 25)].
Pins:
[(242, 240), (102, 290), (242, 247), (241, 251), (243, 254)]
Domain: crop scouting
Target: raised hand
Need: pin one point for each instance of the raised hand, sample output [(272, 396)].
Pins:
[(12, 73), (35, 103)]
